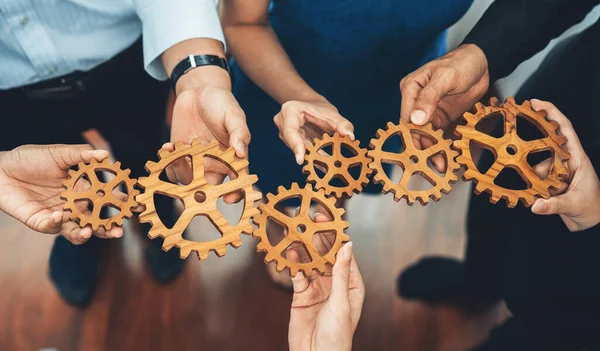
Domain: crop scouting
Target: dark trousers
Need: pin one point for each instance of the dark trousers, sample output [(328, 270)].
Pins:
[(119, 99), (548, 276)]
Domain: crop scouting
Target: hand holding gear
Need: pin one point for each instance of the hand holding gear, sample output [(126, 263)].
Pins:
[(99, 194), (199, 198), (512, 151), (300, 229)]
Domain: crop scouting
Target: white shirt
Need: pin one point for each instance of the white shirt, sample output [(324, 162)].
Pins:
[(45, 39)]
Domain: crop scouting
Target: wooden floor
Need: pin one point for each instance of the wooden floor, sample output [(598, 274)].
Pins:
[(230, 303)]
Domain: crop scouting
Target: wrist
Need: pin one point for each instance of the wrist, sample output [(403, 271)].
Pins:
[(202, 77)]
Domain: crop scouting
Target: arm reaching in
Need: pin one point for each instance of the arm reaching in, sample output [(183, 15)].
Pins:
[(326, 308), (304, 114), (578, 204), (31, 179)]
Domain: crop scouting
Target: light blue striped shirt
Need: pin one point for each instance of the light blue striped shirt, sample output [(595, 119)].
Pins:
[(45, 39)]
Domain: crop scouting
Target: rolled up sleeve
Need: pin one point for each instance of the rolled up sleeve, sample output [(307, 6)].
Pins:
[(168, 22)]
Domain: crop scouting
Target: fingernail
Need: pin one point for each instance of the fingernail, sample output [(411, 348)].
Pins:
[(348, 251), (418, 117), (299, 158), (350, 134), (241, 148), (299, 275)]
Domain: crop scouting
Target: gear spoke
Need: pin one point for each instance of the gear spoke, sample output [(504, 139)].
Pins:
[(495, 169), (433, 150), (538, 145), (480, 138), (392, 157)]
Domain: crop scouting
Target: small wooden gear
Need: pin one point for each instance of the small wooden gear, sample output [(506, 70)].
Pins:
[(337, 165), (230, 234), (413, 161), (512, 151), (300, 229), (99, 194)]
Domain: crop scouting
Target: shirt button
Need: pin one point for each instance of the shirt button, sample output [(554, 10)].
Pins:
[(24, 20)]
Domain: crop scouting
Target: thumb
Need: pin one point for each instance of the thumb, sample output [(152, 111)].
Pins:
[(341, 278), (560, 204), (71, 155), (429, 97)]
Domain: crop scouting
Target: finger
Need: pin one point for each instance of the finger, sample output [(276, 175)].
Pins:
[(410, 87), (329, 121), (114, 232), (290, 132), (237, 128), (75, 234), (183, 170), (50, 223), (341, 278), (71, 155), (429, 97), (299, 282), (561, 204), (566, 128), (171, 175), (542, 169)]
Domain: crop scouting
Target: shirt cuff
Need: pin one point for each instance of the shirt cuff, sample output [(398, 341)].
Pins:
[(168, 22)]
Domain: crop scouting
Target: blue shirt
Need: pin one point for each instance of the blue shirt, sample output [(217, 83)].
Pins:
[(45, 39)]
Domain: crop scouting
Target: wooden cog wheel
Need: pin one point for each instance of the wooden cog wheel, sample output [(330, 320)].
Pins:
[(99, 194), (300, 229), (337, 166), (512, 151), (205, 205), (413, 161)]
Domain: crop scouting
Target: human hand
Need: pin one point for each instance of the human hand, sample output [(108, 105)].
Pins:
[(207, 109), (578, 204), (326, 308), (442, 90), (31, 178), (300, 122)]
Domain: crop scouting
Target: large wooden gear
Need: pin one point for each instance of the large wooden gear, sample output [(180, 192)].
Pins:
[(99, 194), (300, 229), (337, 165), (413, 161), (512, 151), (230, 234)]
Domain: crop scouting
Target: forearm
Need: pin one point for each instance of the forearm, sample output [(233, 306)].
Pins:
[(261, 56), (511, 31)]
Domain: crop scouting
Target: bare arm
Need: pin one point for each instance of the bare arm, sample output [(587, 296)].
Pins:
[(258, 52)]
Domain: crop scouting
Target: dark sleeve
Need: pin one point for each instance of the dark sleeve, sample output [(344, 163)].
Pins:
[(512, 31)]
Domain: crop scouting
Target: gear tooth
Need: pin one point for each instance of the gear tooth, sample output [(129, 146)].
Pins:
[(280, 266), (117, 164), (236, 243), (221, 251), (510, 100), (527, 104), (196, 141), (390, 125), (202, 255)]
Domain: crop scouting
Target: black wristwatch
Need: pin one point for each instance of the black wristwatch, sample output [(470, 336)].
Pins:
[(192, 62)]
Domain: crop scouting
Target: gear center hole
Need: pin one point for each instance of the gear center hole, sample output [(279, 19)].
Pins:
[(301, 228), (414, 159), (100, 193), (200, 196), (338, 164), (511, 149)]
